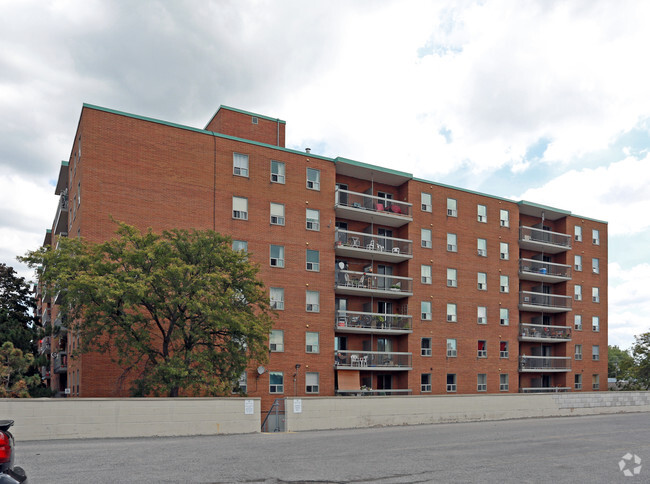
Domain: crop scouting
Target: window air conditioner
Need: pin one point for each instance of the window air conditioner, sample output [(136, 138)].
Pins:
[(451, 213), (482, 252)]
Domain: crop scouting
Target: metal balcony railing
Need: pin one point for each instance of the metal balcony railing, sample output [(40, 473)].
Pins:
[(538, 270), (61, 217), (44, 345), (357, 320), (544, 363), (551, 242), (369, 208), (60, 362), (351, 282), (544, 389), (370, 246), (372, 360), (549, 302), (541, 332)]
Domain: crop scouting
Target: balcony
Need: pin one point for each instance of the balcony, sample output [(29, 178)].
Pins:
[(44, 345), (542, 302), (375, 323), (543, 240), (544, 363), (61, 217), (535, 270), (372, 360), (544, 333), (45, 372), (59, 322), (60, 362), (365, 284), (359, 245), (363, 393), (368, 208), (544, 389)]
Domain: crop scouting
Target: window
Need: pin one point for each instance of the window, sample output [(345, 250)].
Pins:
[(311, 382), (276, 340), (578, 352), (451, 348), (577, 233), (482, 281), (313, 260), (595, 265), (277, 298), (425, 310), (452, 243), (425, 347), (503, 382), (504, 283), (595, 382), (481, 351), (595, 235), (503, 349), (577, 381), (451, 382), (78, 194), (313, 219), (481, 213), (481, 382), (277, 256), (504, 251), (451, 313), (312, 299), (577, 261), (425, 237), (425, 199), (481, 315), (311, 342), (240, 208), (277, 172), (254, 120), (239, 164), (425, 382), (504, 317), (481, 245), (452, 208), (452, 280), (595, 352), (595, 324), (577, 322), (241, 385), (276, 382), (240, 246), (313, 179), (277, 214), (577, 291), (425, 274), (504, 218), (595, 294)]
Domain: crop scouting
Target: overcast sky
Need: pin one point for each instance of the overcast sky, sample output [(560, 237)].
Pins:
[(547, 101)]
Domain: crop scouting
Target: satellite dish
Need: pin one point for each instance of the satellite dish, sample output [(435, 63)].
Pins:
[(260, 370)]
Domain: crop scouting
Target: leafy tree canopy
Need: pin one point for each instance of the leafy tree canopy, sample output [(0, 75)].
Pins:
[(620, 363), (14, 367), (16, 311), (181, 311), (641, 353)]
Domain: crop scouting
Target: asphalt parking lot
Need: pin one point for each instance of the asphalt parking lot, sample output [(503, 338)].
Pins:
[(568, 449)]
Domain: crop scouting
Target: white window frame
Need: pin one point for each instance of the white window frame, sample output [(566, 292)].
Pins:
[(481, 247), (279, 260), (452, 207), (426, 202), (504, 284), (504, 250), (452, 277), (239, 208), (426, 241), (595, 381), (595, 265), (240, 164), (451, 387), (312, 219), (595, 324), (504, 321), (452, 348), (312, 382), (311, 346), (276, 387), (313, 182), (504, 218), (425, 274), (504, 384), (577, 262), (240, 246), (481, 353), (595, 352), (481, 382), (577, 381), (280, 176), (595, 236), (481, 280), (311, 265), (277, 213), (425, 315), (276, 341), (452, 247), (425, 387), (426, 350), (481, 314), (595, 294), (504, 353), (577, 292), (577, 322), (577, 233), (452, 313), (312, 301), (481, 213), (577, 352), (276, 297)]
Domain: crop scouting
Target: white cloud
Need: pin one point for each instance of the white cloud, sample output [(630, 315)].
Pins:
[(629, 303)]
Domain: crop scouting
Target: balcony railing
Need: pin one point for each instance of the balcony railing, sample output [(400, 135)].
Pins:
[(360, 283), (60, 362), (372, 360), (369, 246), (356, 321), (544, 389), (544, 363), (369, 208), (370, 392), (61, 217), (535, 270), (538, 239), (539, 301), (541, 332), (44, 345)]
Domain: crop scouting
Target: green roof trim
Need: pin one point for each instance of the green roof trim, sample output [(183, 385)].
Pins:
[(340, 159), (466, 190), (261, 116), (543, 207), (65, 163)]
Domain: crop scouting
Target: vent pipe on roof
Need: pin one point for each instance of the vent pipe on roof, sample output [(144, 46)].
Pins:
[(308, 150)]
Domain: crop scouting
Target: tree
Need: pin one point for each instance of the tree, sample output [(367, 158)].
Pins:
[(181, 311), (14, 366), (17, 322), (641, 353), (620, 363)]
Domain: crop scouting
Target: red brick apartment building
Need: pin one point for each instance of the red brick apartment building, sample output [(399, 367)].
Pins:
[(384, 283)]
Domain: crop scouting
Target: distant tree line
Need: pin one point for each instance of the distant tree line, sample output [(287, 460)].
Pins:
[(631, 367)]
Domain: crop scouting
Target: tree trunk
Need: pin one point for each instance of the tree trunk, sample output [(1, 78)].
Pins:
[(173, 392)]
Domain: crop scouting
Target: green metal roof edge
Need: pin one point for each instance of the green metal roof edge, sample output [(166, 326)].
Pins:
[(269, 118), (48, 231), (340, 159), (545, 207), (65, 163), (466, 190), (604, 222), (203, 131)]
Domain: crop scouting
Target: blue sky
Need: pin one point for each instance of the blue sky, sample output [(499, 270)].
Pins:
[(546, 101)]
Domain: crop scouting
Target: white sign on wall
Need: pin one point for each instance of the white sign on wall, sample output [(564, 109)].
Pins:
[(249, 407), (297, 405)]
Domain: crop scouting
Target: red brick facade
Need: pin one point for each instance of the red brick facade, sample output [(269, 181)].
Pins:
[(369, 277)]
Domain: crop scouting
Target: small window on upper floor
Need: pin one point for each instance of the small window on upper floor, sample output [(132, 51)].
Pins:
[(277, 214), (452, 243), (595, 265), (425, 237), (313, 219), (577, 231), (254, 119), (240, 208), (504, 251), (452, 278), (595, 235), (277, 172), (425, 199), (313, 179), (452, 207), (240, 164), (481, 245), (504, 218), (481, 213)]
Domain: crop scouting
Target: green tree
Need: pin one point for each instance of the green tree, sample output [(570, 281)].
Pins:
[(620, 363), (17, 322), (14, 367), (179, 311), (641, 353)]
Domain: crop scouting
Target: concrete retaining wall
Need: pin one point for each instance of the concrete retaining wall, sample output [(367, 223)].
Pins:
[(360, 412), (45, 419)]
